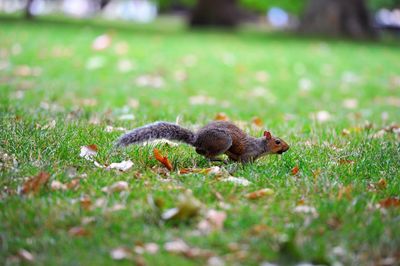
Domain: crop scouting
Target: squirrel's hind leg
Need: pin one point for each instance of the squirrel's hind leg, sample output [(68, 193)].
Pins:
[(212, 142)]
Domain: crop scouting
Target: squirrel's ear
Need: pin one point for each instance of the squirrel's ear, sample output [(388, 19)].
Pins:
[(267, 135)]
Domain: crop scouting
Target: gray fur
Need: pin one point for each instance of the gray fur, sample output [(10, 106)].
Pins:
[(158, 130)]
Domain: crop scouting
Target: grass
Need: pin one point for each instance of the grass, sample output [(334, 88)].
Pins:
[(338, 174)]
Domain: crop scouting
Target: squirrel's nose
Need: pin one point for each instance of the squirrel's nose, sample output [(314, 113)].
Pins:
[(285, 148)]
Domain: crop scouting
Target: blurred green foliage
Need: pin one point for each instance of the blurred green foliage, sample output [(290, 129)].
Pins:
[(295, 7), (292, 6), (376, 4)]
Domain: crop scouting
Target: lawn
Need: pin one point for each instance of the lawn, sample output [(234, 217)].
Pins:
[(335, 192)]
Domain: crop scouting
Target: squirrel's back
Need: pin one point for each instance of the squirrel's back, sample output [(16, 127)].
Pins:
[(157, 130)]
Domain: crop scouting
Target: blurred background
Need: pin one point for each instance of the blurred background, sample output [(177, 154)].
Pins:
[(168, 58), (355, 18)]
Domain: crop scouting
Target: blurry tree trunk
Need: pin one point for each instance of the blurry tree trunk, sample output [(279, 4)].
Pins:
[(28, 8), (222, 13), (348, 18), (104, 3)]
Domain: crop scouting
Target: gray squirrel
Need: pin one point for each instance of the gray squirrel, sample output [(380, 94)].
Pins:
[(212, 140)]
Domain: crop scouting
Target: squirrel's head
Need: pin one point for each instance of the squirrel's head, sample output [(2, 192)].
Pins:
[(275, 145)]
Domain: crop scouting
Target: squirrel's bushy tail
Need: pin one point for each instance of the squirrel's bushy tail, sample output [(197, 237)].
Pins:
[(158, 130)]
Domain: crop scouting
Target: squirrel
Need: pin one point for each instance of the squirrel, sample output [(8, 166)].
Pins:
[(212, 140)]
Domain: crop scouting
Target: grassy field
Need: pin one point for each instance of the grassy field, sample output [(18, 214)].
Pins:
[(336, 190)]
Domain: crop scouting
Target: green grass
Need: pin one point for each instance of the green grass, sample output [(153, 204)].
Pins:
[(225, 69)]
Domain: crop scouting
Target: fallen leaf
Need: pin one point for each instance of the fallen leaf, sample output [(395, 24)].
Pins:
[(187, 207), (345, 191), (153, 81), (25, 255), (334, 222), (382, 183), (162, 159), (34, 184), (215, 170), (389, 202), (101, 42), (306, 210), (259, 229), (345, 132), (180, 247), (122, 166), (151, 248), (180, 75), (295, 170), (74, 183), (346, 161), (257, 121), (322, 116), (237, 180), (57, 185), (116, 187), (260, 193), (215, 261), (78, 231), (121, 48), (120, 253), (214, 221), (202, 100), (176, 246), (88, 152), (115, 208), (85, 202), (133, 103), (221, 117), (125, 65), (305, 85), (350, 103)]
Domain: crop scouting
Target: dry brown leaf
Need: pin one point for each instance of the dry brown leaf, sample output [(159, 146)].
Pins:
[(74, 183), (345, 191), (88, 152), (257, 121), (34, 184), (162, 159), (334, 222), (221, 117), (85, 202), (295, 170), (260, 193), (259, 229), (78, 231), (389, 202), (346, 161), (116, 187)]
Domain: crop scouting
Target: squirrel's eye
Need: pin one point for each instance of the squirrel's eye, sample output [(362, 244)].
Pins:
[(277, 142)]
